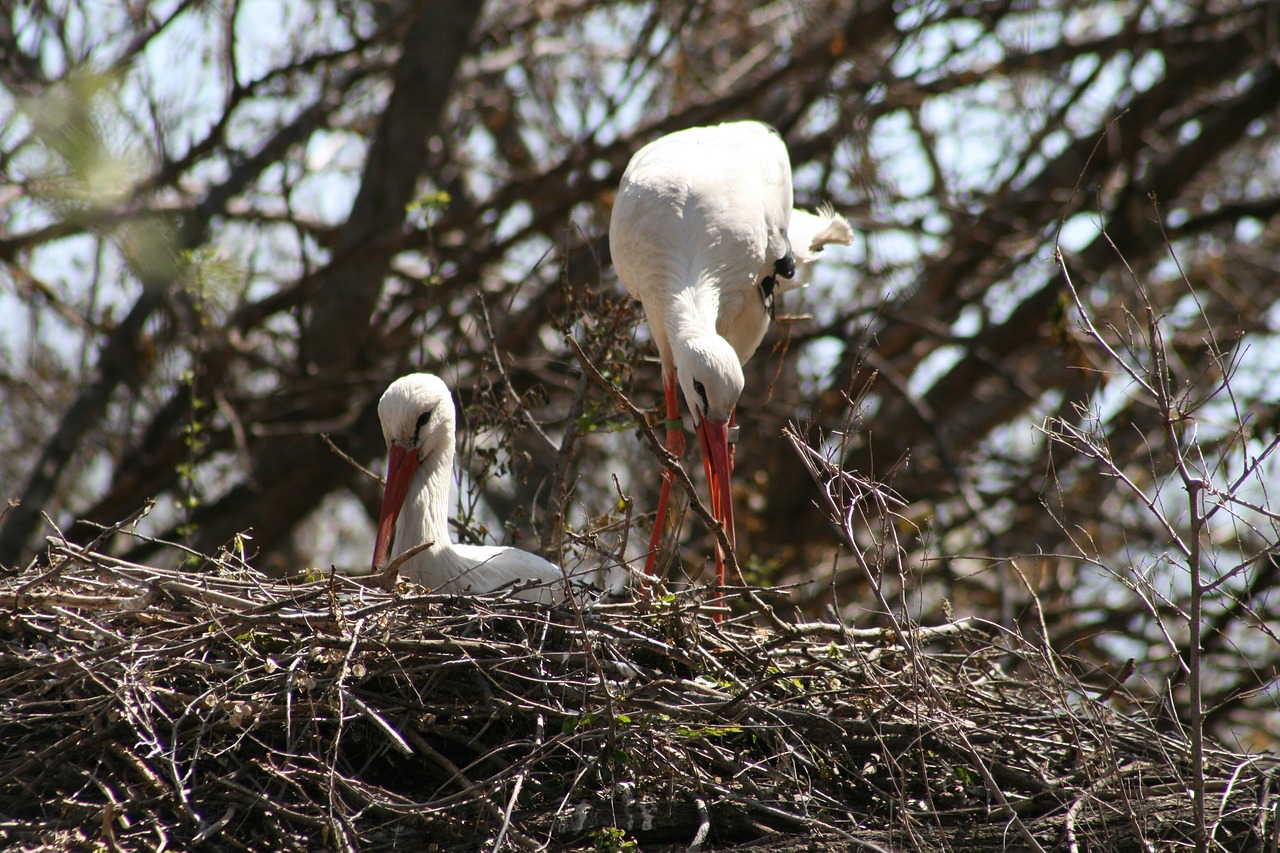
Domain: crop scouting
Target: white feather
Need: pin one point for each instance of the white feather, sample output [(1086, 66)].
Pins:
[(444, 566), (810, 232), (701, 217)]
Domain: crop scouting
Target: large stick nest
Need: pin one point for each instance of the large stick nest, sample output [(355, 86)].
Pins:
[(152, 709)]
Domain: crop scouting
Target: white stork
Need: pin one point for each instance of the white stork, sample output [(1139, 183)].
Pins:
[(418, 423), (702, 227)]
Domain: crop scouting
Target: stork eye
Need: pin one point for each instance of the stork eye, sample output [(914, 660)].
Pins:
[(422, 421), (702, 392)]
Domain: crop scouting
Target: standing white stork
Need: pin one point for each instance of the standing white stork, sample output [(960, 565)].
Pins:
[(701, 228), (418, 423)]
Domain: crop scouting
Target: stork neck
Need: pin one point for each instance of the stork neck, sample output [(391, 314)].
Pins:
[(425, 516), (694, 310)]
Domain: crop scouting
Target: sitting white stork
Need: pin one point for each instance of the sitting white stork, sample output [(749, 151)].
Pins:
[(701, 229), (419, 424)]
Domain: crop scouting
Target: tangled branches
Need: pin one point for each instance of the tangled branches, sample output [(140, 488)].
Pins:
[(150, 709)]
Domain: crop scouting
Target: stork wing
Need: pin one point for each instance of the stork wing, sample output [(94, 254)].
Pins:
[(703, 199)]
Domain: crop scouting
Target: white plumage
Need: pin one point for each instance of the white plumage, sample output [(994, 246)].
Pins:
[(702, 228), (419, 424)]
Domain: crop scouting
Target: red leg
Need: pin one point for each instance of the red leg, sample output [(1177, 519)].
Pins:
[(675, 444), (733, 445)]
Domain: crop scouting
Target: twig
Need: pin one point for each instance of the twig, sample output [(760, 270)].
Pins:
[(345, 457), (666, 457), (92, 546), (386, 579), (517, 710)]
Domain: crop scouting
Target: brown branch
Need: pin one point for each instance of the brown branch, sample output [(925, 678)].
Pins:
[(666, 457)]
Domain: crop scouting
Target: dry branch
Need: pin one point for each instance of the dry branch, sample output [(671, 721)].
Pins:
[(144, 708)]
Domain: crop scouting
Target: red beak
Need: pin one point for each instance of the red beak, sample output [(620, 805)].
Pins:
[(401, 466), (714, 437)]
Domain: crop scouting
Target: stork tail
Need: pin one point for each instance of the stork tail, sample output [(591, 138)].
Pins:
[(809, 232)]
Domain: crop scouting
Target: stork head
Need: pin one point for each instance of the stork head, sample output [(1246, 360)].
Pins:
[(418, 419), (710, 376)]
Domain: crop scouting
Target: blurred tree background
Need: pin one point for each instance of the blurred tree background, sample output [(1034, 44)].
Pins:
[(226, 226)]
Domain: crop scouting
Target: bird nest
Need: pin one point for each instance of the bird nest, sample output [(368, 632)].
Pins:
[(214, 708)]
